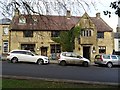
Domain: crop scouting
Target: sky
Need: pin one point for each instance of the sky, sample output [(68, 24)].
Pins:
[(99, 6), (104, 5)]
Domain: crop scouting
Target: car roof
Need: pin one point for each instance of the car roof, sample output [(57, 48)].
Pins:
[(19, 50)]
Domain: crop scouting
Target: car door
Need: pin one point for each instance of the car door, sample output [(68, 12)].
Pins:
[(30, 57), (118, 59), (114, 59), (76, 58), (20, 55), (69, 58)]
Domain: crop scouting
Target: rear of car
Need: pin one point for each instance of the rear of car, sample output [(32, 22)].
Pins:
[(108, 60), (72, 58)]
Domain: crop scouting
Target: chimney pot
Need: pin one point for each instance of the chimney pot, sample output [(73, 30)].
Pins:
[(98, 15)]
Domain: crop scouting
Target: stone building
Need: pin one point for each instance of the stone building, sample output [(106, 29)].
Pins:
[(4, 35), (34, 32)]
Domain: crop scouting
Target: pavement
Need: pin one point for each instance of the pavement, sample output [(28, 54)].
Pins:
[(54, 61)]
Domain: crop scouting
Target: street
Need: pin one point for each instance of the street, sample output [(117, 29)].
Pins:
[(55, 71)]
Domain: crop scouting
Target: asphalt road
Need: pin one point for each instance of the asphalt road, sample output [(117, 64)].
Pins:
[(54, 71)]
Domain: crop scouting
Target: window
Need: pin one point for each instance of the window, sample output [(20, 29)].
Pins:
[(55, 48), (113, 57), (5, 30), (100, 34), (118, 44), (55, 33), (22, 20), (30, 47), (86, 32), (28, 33), (102, 49), (118, 57), (5, 46)]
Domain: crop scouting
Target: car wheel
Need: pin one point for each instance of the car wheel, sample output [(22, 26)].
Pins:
[(14, 60), (40, 62), (63, 63), (109, 65), (85, 64)]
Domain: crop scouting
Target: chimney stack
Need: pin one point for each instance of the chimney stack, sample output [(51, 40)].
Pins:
[(98, 15), (68, 14), (17, 12), (118, 29)]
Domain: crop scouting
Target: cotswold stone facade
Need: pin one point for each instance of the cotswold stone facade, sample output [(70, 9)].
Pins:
[(4, 36), (34, 32), (96, 37)]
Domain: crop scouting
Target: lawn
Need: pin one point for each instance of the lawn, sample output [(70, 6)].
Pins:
[(19, 83)]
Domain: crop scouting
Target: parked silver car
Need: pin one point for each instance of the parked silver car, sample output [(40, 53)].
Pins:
[(108, 60), (72, 58)]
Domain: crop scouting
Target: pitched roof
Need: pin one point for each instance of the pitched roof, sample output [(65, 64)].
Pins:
[(54, 23), (101, 25), (45, 23)]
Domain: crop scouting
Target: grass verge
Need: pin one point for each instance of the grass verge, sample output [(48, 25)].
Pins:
[(19, 83)]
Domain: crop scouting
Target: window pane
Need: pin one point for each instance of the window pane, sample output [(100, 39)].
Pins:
[(114, 57), (119, 44), (102, 49), (106, 56), (22, 20), (86, 32), (5, 46), (100, 34), (5, 30), (28, 33), (55, 33)]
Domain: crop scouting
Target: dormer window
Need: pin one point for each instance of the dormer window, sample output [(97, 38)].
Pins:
[(35, 19), (22, 20)]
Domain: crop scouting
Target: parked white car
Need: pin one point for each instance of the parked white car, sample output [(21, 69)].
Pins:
[(72, 58), (108, 60), (26, 56)]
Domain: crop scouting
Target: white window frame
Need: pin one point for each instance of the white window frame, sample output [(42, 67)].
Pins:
[(5, 46), (119, 44), (5, 30), (87, 32)]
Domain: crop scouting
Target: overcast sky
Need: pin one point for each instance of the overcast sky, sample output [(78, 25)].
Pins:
[(100, 6)]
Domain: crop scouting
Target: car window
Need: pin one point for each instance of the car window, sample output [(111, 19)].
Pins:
[(29, 53), (118, 57), (18, 52), (106, 56), (69, 54), (15, 52), (74, 55), (113, 57), (64, 54)]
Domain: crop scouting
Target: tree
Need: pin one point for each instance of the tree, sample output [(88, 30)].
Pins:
[(66, 38), (43, 7), (116, 6)]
